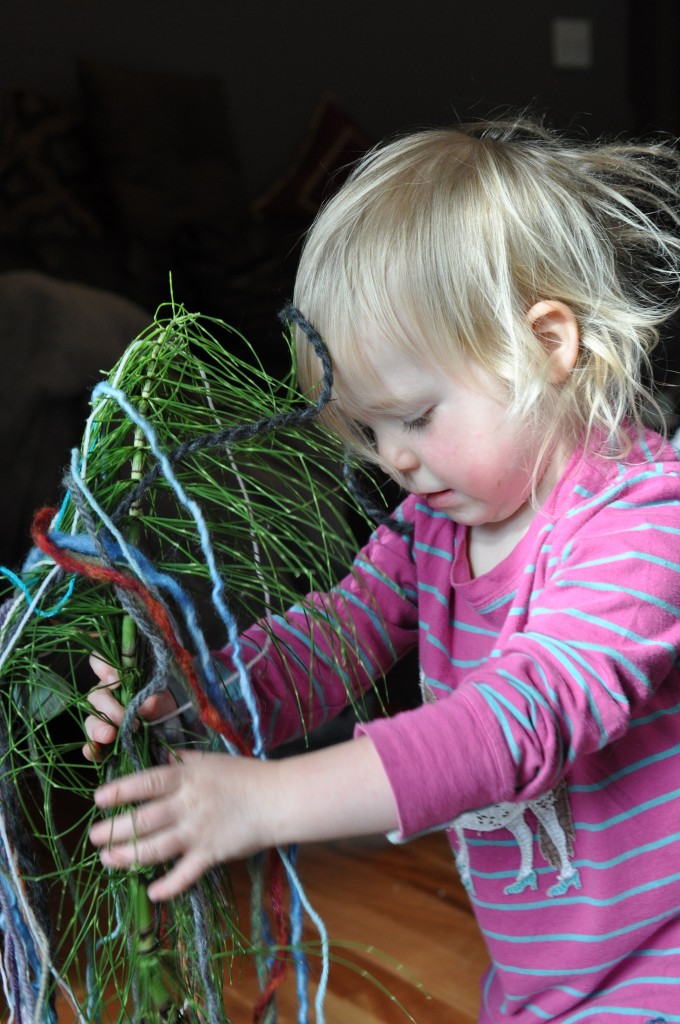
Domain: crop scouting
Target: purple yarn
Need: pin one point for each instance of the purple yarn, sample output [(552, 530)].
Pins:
[(14, 973)]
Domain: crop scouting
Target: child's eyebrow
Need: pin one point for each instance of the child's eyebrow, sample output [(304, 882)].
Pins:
[(396, 405)]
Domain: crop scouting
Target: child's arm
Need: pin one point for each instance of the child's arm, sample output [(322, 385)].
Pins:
[(318, 657), (212, 808)]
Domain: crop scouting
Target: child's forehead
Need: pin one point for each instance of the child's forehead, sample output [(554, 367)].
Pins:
[(361, 353), (383, 401), (367, 346), (380, 378)]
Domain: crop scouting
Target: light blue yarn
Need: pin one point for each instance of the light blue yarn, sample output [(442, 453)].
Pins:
[(21, 585), (218, 587), (148, 574), (299, 958), (296, 886)]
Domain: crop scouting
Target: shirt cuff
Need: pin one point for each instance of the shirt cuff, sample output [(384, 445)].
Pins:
[(440, 762)]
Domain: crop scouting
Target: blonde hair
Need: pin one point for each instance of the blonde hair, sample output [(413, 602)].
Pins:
[(444, 239)]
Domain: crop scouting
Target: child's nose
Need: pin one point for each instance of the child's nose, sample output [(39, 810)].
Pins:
[(397, 451)]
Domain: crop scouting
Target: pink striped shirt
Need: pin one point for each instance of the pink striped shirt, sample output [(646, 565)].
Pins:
[(549, 740)]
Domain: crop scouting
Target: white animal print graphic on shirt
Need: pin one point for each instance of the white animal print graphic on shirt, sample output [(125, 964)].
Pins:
[(555, 833)]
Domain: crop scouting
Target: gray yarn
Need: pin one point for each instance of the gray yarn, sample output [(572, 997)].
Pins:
[(198, 907), (162, 659)]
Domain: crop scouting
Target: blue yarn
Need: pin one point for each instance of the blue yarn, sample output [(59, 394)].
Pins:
[(23, 587), (167, 583), (62, 509), (296, 886), (218, 587), (149, 575), (299, 958)]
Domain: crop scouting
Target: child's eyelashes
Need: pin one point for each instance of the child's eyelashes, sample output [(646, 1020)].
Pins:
[(419, 422), (369, 433)]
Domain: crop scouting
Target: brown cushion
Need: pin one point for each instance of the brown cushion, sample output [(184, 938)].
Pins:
[(334, 142), (165, 145), (46, 177)]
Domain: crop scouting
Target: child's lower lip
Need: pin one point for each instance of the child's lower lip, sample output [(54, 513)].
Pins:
[(440, 499)]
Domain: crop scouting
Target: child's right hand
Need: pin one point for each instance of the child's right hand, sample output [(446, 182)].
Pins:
[(102, 727)]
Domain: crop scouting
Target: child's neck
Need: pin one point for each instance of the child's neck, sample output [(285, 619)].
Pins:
[(489, 543)]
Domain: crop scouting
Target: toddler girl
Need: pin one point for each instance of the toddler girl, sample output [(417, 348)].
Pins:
[(489, 296)]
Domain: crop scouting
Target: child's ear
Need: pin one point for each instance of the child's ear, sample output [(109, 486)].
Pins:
[(555, 326)]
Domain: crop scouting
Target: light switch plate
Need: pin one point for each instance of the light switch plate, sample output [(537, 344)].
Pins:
[(572, 43)]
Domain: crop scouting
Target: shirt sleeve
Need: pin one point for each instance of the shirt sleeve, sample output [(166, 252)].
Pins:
[(600, 637), (307, 665)]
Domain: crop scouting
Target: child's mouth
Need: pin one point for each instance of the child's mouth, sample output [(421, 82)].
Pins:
[(440, 499)]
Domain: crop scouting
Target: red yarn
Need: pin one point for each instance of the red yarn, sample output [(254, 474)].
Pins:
[(95, 571), (209, 715), (277, 972)]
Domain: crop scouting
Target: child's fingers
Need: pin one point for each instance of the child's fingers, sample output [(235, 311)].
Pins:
[(100, 731), (196, 810), (145, 822), (107, 706), (112, 711), (106, 673), (138, 787), (158, 706), (93, 752), (101, 728), (160, 847), (150, 834), (100, 735), (184, 873)]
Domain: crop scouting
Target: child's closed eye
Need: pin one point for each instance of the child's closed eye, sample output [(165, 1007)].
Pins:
[(419, 422)]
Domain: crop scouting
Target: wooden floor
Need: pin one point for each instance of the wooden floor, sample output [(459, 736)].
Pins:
[(409, 916), (409, 926)]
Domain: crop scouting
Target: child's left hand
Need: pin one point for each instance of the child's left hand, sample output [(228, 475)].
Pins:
[(200, 810)]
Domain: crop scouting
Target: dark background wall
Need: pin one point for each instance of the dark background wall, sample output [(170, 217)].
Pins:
[(392, 65)]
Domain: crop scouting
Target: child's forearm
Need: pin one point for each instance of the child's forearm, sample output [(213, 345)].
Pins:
[(213, 807), (333, 793)]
